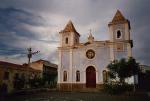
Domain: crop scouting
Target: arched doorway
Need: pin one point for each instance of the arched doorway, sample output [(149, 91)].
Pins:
[(90, 77)]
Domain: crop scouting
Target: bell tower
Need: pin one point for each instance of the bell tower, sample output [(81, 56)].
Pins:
[(119, 33), (69, 36)]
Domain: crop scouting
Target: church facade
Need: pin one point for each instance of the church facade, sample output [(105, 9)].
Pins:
[(83, 65)]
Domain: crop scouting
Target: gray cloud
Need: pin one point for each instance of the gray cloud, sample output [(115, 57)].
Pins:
[(21, 29), (138, 13), (52, 16)]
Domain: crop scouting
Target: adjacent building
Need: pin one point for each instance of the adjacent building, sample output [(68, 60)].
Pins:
[(144, 78), (14, 76), (144, 68), (49, 70)]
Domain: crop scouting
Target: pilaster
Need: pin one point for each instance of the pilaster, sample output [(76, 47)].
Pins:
[(129, 50), (71, 66), (112, 53), (59, 65)]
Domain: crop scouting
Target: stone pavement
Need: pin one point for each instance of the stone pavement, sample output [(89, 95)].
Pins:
[(77, 96)]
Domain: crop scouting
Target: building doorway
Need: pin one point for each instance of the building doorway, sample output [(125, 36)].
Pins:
[(90, 77)]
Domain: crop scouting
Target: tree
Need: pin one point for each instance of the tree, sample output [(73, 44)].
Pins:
[(123, 69)]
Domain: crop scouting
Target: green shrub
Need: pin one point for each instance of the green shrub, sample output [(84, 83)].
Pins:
[(117, 88)]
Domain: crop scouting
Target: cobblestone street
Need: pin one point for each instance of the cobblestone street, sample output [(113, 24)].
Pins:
[(77, 96)]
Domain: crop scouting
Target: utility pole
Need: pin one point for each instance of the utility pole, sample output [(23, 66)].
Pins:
[(30, 53)]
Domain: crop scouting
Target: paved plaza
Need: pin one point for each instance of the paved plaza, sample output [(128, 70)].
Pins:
[(77, 96)]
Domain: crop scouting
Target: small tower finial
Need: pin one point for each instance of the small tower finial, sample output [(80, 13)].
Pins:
[(90, 38)]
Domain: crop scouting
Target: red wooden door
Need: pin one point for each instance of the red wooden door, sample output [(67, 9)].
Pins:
[(90, 77)]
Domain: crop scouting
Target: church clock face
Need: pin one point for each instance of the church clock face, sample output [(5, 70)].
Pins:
[(90, 54)]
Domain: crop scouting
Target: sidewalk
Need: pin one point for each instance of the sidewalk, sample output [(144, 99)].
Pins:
[(78, 96)]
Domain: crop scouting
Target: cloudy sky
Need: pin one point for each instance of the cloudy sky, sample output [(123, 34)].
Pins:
[(36, 23)]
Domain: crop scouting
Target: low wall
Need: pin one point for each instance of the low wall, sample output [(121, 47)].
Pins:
[(77, 87)]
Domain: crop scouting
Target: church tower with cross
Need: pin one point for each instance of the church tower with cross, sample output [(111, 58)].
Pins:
[(82, 66)]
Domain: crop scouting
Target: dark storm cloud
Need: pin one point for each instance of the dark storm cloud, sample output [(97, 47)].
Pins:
[(15, 37), (10, 18), (39, 21), (83, 11), (18, 20), (138, 12)]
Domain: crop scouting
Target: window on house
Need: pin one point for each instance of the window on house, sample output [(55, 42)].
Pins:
[(77, 76), (66, 41), (6, 75), (118, 34), (16, 76), (105, 76), (65, 76), (23, 76)]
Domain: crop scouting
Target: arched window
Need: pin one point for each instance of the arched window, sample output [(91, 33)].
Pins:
[(66, 41), (118, 34), (77, 76), (65, 76), (105, 77)]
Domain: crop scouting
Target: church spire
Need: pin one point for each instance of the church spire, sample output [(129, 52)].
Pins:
[(118, 17), (70, 28)]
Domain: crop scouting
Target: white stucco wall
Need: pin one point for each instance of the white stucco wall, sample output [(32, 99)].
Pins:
[(81, 62), (73, 59)]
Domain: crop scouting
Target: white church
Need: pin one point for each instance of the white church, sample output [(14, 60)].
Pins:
[(83, 65)]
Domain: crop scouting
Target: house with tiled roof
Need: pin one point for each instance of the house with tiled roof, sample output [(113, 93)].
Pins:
[(10, 73), (49, 70)]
